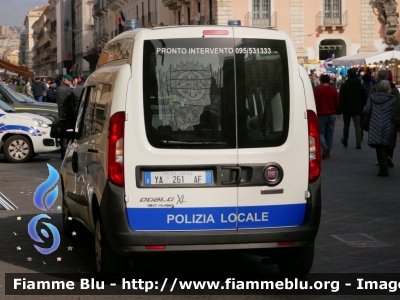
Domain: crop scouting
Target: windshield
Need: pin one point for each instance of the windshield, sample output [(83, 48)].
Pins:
[(215, 93), (25, 98), (18, 96), (5, 107)]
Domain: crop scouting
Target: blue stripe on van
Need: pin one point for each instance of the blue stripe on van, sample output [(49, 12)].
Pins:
[(216, 218)]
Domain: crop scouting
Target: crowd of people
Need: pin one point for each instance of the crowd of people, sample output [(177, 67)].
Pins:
[(65, 91), (42, 89), (371, 100)]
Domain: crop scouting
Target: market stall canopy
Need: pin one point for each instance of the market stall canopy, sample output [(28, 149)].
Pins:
[(16, 69), (366, 58)]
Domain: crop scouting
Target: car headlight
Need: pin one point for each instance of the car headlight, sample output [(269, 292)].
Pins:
[(40, 123)]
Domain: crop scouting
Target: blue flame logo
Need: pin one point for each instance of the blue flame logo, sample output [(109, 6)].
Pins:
[(43, 188), (44, 202), (33, 233)]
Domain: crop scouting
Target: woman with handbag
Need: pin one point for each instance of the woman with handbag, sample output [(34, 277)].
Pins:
[(381, 133)]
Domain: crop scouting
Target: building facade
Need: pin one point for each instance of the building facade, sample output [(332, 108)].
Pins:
[(318, 28), (64, 31), (22, 53), (109, 18), (32, 16), (4, 30), (83, 35)]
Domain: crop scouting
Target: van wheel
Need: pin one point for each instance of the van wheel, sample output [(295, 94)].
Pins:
[(69, 226), (297, 262), (18, 149), (106, 260)]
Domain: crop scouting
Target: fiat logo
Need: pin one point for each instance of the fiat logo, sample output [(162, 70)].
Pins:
[(271, 174)]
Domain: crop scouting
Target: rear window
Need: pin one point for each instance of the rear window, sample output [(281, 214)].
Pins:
[(215, 93)]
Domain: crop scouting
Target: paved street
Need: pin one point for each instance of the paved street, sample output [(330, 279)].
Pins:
[(359, 230)]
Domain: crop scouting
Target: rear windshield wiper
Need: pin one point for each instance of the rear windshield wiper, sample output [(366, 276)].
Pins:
[(165, 142)]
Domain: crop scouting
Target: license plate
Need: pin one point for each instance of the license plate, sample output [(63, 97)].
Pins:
[(178, 177)]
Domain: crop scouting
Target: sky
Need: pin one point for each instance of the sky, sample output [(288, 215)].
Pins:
[(13, 12)]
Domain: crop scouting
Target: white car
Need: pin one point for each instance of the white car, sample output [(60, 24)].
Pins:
[(23, 135)]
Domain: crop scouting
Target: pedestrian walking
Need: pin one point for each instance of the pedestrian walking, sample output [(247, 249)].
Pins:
[(382, 133), (384, 75), (326, 101), (351, 96), (38, 89)]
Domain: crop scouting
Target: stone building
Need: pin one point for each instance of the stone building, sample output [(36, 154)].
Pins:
[(318, 28), (4, 30), (83, 35), (32, 16), (109, 18), (40, 35)]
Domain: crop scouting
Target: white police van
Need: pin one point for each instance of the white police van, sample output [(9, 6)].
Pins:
[(196, 138), (24, 135)]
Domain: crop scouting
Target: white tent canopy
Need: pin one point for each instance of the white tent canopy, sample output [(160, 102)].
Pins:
[(366, 58)]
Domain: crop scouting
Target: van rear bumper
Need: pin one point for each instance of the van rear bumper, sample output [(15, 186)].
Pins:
[(125, 241)]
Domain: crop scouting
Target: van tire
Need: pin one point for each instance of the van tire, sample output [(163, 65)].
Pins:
[(107, 262), (20, 155), (296, 262)]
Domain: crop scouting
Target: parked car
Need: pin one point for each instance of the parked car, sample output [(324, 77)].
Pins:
[(23, 103), (23, 135)]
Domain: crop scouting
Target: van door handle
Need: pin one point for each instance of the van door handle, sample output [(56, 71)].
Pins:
[(238, 175), (93, 150)]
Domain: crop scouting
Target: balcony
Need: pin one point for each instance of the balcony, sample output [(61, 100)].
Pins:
[(95, 37), (104, 35), (331, 20), (172, 4), (257, 19), (97, 10), (41, 34)]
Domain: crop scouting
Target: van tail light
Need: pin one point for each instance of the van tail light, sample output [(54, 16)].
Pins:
[(116, 149), (315, 147)]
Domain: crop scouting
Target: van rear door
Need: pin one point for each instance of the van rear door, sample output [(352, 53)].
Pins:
[(180, 140), (273, 145)]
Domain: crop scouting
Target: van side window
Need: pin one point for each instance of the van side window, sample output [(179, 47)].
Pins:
[(84, 116), (120, 49), (100, 109)]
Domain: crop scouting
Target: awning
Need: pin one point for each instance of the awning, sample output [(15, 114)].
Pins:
[(366, 58), (16, 69)]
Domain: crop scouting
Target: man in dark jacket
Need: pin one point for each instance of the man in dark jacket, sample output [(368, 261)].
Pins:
[(51, 95), (37, 89), (351, 96), (66, 106)]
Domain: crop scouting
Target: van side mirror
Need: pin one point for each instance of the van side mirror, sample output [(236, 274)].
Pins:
[(58, 130)]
